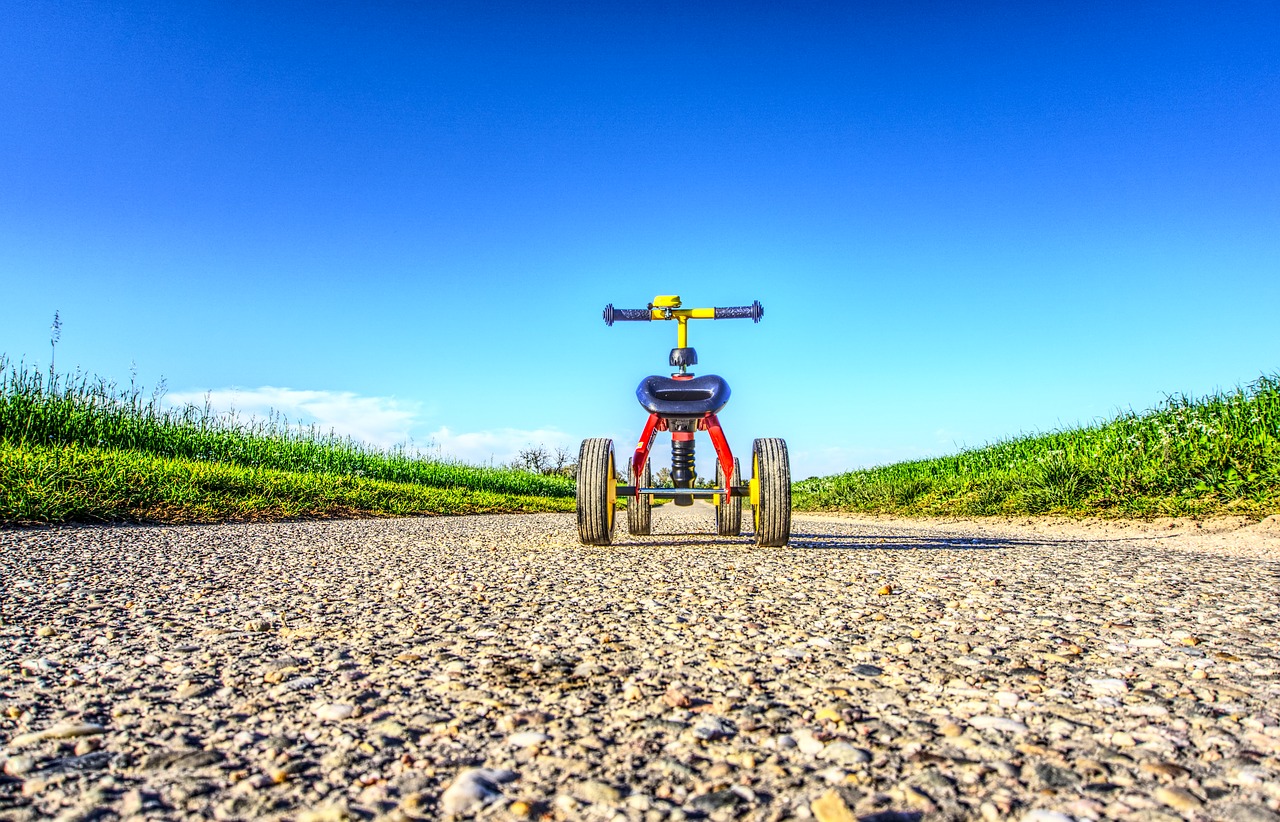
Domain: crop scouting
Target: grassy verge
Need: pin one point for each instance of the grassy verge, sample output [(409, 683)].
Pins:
[(1189, 457), (79, 449), (73, 483), (41, 409)]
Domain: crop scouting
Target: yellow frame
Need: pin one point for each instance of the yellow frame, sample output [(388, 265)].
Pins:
[(667, 307)]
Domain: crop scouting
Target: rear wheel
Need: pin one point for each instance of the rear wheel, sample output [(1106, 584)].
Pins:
[(772, 478), (640, 509), (729, 511), (597, 491)]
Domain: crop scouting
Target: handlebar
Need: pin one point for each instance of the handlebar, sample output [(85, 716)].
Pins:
[(735, 312)]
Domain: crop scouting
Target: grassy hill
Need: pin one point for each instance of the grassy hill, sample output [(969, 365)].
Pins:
[(79, 449), (1188, 457)]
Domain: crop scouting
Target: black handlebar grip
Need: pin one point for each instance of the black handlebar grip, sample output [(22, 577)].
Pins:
[(741, 312), (612, 314)]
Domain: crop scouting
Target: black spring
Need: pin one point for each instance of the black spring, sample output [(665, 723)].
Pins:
[(682, 472)]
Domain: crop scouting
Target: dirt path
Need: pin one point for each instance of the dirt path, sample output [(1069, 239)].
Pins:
[(875, 670)]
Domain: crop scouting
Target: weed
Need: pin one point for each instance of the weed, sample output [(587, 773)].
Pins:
[(54, 410), (1219, 454)]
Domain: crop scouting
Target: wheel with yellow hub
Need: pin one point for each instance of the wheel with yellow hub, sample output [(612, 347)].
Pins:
[(729, 509), (597, 491), (640, 509), (771, 492)]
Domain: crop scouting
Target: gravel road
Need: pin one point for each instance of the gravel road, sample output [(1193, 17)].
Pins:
[(491, 666)]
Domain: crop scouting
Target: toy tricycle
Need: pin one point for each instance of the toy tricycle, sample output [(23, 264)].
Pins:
[(684, 404)]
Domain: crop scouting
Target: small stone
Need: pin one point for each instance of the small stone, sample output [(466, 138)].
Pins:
[(527, 739), (19, 765), (414, 803), (1042, 815), (257, 626), (87, 745), (131, 803), (905, 648), (45, 631), (598, 793), (1179, 799), (949, 728), (1044, 775), (716, 800), (1107, 687), (831, 807), (710, 727), (1247, 812), (1122, 739), (1167, 769), (1000, 723), (676, 697), (520, 809), (808, 743), (867, 670), (472, 789), (67, 731), (827, 714), (1007, 700), (1247, 777), (845, 754), (295, 684), (334, 812), (333, 711), (917, 798)]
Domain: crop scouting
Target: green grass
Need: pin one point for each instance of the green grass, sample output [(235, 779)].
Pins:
[(73, 483), (76, 448), (1189, 457)]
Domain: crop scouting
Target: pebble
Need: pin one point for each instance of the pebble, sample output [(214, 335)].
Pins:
[(472, 789), (1000, 723), (1247, 812), (1177, 798), (334, 711), (809, 744), (67, 731), (19, 765), (710, 727), (831, 807), (1107, 687), (596, 792), (1042, 815), (526, 739), (845, 754), (296, 684)]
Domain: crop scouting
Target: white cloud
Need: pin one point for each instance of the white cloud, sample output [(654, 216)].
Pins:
[(498, 445), (379, 421)]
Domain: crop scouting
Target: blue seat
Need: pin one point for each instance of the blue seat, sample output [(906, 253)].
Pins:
[(673, 399)]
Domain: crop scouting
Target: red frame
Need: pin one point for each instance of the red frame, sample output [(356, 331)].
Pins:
[(709, 423)]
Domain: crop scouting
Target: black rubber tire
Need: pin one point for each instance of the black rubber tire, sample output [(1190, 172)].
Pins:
[(640, 509), (597, 490), (772, 471), (729, 511)]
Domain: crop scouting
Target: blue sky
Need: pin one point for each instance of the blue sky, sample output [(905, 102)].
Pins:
[(965, 221)]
